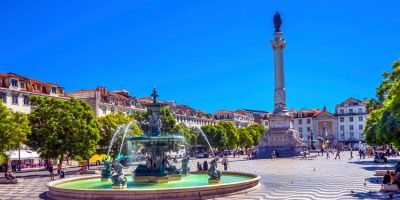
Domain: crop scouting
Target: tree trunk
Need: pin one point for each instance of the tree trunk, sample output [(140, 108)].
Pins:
[(88, 164)]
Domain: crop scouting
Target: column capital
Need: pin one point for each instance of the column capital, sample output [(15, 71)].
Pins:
[(278, 43)]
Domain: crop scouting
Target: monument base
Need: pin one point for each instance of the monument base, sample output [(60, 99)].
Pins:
[(280, 138)]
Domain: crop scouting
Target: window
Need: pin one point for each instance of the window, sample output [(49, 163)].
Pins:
[(14, 82), (352, 135), (341, 111), (22, 85), (360, 118), (360, 110), (308, 121), (3, 97), (300, 121), (342, 119), (351, 111), (360, 127), (26, 100), (15, 99), (308, 129), (39, 88), (301, 136), (300, 130), (54, 90), (351, 119), (351, 127), (341, 128), (104, 110)]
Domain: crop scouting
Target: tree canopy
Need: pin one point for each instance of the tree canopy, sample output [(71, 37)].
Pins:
[(108, 124), (62, 128), (383, 124), (14, 126)]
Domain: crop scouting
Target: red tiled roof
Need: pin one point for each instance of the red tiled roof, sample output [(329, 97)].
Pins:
[(241, 112), (146, 100), (224, 112)]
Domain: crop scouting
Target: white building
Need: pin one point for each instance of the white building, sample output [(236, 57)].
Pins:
[(240, 118), (191, 117), (352, 115), (15, 91), (104, 102)]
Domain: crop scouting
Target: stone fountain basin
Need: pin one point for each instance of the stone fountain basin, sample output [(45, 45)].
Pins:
[(195, 192)]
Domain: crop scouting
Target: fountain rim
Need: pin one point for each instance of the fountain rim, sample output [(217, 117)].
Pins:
[(254, 177)]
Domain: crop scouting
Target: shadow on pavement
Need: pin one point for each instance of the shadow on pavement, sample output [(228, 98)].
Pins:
[(374, 195), (43, 195)]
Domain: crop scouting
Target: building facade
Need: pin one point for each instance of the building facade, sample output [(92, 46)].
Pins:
[(240, 118), (351, 115), (104, 102), (15, 91)]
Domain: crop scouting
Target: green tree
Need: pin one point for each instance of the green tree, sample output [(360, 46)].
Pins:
[(383, 125), (62, 128), (13, 130), (256, 131), (245, 138), (231, 132), (216, 136), (168, 120), (108, 125), (185, 131)]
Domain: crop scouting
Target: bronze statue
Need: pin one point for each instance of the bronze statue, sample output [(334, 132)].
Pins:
[(154, 95), (277, 22)]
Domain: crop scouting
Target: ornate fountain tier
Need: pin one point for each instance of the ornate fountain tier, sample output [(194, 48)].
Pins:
[(157, 168)]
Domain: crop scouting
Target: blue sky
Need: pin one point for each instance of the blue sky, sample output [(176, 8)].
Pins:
[(210, 55)]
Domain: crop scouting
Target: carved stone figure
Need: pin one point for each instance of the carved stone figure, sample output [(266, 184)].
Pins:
[(185, 169), (213, 172), (118, 177), (106, 172)]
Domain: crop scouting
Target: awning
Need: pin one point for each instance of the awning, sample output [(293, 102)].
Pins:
[(25, 154)]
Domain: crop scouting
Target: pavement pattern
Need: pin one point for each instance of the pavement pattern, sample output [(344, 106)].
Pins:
[(289, 178)]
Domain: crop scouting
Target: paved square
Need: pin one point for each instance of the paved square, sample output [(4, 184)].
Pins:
[(280, 179)]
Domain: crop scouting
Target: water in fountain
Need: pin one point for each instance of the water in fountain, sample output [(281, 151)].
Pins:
[(116, 133), (123, 137), (206, 139)]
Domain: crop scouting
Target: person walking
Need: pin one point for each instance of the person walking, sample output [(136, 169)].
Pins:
[(351, 153), (51, 171), (273, 155), (225, 163), (205, 165), (327, 154), (337, 153)]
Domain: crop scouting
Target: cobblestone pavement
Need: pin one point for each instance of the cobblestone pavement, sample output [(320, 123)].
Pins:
[(280, 179)]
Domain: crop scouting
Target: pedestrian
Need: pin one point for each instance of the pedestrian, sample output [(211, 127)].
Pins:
[(199, 168), (58, 169), (351, 153), (337, 153), (360, 153), (273, 155), (51, 171), (327, 154), (205, 165), (322, 151), (234, 154), (62, 174), (225, 162)]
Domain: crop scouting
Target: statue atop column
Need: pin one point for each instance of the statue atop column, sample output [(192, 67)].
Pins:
[(277, 22)]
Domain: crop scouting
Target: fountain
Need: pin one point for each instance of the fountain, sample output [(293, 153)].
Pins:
[(156, 178)]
